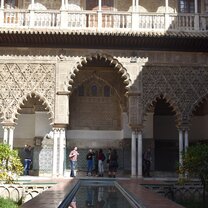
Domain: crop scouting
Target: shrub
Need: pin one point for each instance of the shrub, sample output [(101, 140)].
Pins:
[(195, 163), (10, 164)]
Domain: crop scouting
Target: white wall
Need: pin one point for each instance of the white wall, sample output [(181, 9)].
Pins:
[(25, 126), (42, 126), (30, 126)]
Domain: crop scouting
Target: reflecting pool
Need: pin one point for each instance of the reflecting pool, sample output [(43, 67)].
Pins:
[(99, 194)]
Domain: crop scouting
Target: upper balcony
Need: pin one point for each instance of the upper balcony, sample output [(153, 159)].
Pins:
[(105, 15)]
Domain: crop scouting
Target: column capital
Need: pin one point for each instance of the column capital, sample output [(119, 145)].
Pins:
[(183, 127), (6, 124), (59, 126), (133, 93), (137, 128)]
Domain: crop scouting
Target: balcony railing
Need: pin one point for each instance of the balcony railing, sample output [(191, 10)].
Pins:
[(99, 20)]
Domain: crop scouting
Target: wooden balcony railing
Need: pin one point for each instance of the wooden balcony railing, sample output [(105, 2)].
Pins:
[(123, 21)]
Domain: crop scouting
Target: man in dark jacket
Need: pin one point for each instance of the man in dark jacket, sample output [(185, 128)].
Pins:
[(27, 155), (89, 158)]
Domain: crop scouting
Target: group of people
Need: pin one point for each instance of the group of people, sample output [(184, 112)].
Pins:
[(95, 162)]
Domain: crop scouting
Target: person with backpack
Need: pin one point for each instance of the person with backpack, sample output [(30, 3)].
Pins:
[(101, 159)]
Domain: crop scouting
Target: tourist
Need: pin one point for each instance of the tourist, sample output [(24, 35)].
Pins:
[(147, 159), (73, 160), (96, 163), (89, 158), (101, 159), (108, 158), (113, 164), (27, 155), (73, 203)]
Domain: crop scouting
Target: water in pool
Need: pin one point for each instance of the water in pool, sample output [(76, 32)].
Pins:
[(99, 196)]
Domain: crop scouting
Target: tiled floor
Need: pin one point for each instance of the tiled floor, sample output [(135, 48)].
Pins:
[(52, 197)]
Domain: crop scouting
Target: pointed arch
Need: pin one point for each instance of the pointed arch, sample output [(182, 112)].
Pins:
[(40, 98), (169, 100), (108, 59), (196, 104)]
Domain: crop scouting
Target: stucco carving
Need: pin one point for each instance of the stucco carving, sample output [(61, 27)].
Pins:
[(182, 87), (17, 81)]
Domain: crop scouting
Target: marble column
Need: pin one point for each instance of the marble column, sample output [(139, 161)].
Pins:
[(99, 5), (166, 6), (62, 4), (55, 148), (11, 136), (133, 154), (137, 5), (195, 6), (186, 142), (180, 146), (62, 138), (2, 4), (133, 5), (139, 154), (6, 135)]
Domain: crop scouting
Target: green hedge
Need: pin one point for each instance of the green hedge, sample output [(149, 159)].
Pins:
[(7, 203)]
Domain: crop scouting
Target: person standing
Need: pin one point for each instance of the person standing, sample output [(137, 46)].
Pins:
[(73, 160), (113, 164), (89, 158), (147, 162), (96, 163), (101, 159), (108, 158), (27, 155)]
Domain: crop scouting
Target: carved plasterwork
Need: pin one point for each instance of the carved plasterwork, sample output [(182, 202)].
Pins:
[(18, 81), (135, 110), (181, 86)]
